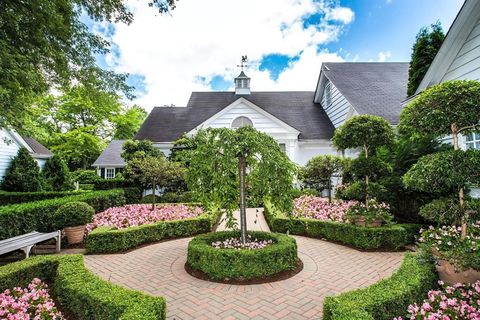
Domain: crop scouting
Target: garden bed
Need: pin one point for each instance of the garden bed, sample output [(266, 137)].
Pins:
[(131, 229), (81, 293), (242, 265)]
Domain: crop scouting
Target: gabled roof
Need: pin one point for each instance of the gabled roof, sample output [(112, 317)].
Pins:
[(375, 88), (111, 155), (39, 150), (295, 108)]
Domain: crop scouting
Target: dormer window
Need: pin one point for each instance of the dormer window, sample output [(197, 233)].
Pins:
[(241, 122)]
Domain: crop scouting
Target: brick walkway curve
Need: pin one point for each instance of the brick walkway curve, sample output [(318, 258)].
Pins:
[(329, 269)]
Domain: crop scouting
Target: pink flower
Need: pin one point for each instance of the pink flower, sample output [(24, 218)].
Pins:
[(319, 208)]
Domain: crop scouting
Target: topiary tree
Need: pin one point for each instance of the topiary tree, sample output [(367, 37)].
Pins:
[(139, 148), (319, 170), (367, 132), (218, 162), (23, 174), (56, 174), (450, 108)]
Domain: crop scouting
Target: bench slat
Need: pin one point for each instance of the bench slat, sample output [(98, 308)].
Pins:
[(19, 238), (25, 240)]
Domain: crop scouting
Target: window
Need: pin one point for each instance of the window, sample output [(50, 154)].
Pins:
[(109, 173), (241, 122), (283, 147), (472, 140), (328, 94)]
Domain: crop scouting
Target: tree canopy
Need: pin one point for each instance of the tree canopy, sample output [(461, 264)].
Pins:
[(318, 172), (427, 43), (23, 174), (138, 149), (56, 175)]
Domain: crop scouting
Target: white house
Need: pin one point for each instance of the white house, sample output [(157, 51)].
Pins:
[(11, 142)]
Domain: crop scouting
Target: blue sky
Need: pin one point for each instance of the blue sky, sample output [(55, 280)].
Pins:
[(197, 48)]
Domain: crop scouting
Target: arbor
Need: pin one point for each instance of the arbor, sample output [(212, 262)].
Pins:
[(219, 160), (367, 132), (319, 170), (426, 46), (46, 44), (154, 172), (23, 174), (56, 174), (449, 108)]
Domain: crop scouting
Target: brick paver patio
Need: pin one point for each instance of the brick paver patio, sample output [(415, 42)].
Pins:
[(329, 269)]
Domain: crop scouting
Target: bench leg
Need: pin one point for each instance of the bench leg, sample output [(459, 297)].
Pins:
[(27, 250), (59, 241)]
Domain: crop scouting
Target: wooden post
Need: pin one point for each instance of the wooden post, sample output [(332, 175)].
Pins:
[(243, 213)]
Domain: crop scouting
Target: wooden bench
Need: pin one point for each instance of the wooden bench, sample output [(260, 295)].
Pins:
[(25, 242)]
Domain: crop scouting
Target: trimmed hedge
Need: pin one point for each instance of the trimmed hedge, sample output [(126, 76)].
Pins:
[(109, 239), (7, 198), (388, 298), (132, 195), (38, 215), (392, 237), (242, 264), (107, 184), (81, 292)]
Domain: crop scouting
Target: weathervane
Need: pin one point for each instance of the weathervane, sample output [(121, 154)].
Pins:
[(243, 63)]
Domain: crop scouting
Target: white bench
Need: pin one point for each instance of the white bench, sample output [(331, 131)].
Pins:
[(25, 242)]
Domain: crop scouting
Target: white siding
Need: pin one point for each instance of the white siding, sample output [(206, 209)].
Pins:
[(335, 104), (8, 150), (466, 64)]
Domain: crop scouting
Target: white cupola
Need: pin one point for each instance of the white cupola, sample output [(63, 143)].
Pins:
[(242, 84)]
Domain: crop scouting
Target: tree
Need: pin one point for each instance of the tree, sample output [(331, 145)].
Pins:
[(128, 123), (367, 132), (46, 44), (56, 174), (319, 170), (23, 174), (138, 149), (218, 160), (426, 46), (449, 108), (154, 171)]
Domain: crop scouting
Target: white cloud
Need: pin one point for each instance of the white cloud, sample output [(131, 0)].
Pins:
[(383, 56), (207, 38)]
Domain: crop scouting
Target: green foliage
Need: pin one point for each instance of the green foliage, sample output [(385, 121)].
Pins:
[(435, 110), (127, 124), (391, 237), (139, 148), (85, 176), (426, 46), (359, 190), (108, 184), (171, 197), (21, 197), (365, 131), (56, 174), (83, 294), (373, 167), (23, 174), (448, 211), (109, 240), (387, 298), (73, 214), (212, 158), (374, 211), (39, 215), (242, 264), (319, 170)]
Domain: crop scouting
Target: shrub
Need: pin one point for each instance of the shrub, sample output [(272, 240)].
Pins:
[(73, 214), (242, 264), (359, 190), (132, 195), (448, 211), (387, 298), (38, 215), (82, 293), (170, 197), (7, 198), (107, 184), (374, 211), (23, 174), (319, 170), (85, 176), (56, 175)]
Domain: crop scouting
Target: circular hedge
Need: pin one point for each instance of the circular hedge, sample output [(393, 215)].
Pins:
[(242, 264)]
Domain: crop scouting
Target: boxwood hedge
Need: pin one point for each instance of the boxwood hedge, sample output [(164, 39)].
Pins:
[(109, 240), (391, 237), (388, 298), (80, 292), (7, 198), (38, 215), (242, 264)]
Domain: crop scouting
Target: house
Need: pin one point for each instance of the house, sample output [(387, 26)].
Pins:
[(302, 122), (11, 142)]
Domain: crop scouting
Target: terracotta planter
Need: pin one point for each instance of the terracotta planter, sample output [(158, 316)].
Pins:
[(376, 223), (360, 221), (447, 274), (75, 234)]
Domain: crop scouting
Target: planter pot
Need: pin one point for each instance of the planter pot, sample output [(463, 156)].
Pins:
[(376, 223), (360, 221), (447, 274), (75, 234)]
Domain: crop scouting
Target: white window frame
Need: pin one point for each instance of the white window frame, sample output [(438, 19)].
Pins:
[(107, 176), (472, 141), (243, 118)]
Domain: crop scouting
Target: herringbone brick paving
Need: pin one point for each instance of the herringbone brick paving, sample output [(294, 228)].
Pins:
[(329, 269)]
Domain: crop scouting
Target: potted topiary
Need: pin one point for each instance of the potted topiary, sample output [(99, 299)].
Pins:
[(375, 214), (72, 218)]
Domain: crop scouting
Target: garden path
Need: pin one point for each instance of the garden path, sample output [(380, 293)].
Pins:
[(255, 220), (329, 269)]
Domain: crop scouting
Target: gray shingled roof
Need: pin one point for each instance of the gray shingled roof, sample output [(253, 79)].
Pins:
[(111, 155), (39, 150), (376, 88), (296, 108)]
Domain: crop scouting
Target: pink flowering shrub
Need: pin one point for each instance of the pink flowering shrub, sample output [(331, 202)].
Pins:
[(236, 243), (319, 208), (32, 302), (448, 303), (139, 214)]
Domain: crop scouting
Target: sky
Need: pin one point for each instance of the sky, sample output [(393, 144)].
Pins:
[(198, 46)]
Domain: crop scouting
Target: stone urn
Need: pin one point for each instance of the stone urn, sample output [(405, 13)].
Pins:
[(376, 223), (448, 274), (75, 234)]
